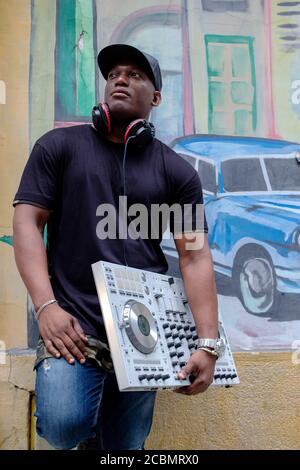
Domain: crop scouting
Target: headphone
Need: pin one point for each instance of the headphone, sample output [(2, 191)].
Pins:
[(139, 132)]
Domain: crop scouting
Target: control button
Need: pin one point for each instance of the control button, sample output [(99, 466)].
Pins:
[(189, 336), (174, 363), (170, 344), (165, 325), (165, 376), (172, 353), (147, 290), (179, 327), (182, 363), (181, 336), (195, 337), (180, 354), (177, 345), (157, 376), (193, 328), (150, 376), (175, 335), (142, 376), (186, 327), (168, 334), (172, 326)]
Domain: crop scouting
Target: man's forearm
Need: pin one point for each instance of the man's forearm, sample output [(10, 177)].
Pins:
[(199, 282), (31, 260)]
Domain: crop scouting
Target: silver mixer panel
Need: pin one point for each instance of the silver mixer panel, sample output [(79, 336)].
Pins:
[(150, 328)]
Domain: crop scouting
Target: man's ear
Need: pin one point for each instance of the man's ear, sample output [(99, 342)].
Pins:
[(156, 98)]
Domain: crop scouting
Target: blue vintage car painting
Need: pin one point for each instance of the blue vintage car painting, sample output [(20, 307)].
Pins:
[(251, 189)]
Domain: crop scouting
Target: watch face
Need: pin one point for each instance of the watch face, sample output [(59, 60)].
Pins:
[(220, 346)]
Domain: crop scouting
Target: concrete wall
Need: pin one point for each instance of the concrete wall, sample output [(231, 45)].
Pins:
[(263, 412)]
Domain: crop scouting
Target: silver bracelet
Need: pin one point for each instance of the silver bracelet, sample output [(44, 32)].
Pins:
[(210, 351), (43, 306)]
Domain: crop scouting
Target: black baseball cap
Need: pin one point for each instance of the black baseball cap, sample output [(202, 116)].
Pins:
[(110, 55)]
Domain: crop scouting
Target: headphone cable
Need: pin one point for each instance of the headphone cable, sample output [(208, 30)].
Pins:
[(124, 196)]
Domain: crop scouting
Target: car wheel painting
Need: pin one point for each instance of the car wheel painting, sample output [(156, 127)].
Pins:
[(256, 283)]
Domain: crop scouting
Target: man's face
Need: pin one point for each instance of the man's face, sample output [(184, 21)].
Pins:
[(129, 93)]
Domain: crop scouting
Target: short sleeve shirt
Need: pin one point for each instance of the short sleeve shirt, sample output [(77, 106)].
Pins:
[(74, 171)]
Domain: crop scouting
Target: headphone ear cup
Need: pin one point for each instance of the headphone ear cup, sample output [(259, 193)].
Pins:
[(101, 118), (140, 132)]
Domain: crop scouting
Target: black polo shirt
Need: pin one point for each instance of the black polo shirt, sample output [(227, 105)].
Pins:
[(72, 171)]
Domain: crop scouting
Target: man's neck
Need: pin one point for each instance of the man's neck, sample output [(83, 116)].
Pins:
[(117, 133)]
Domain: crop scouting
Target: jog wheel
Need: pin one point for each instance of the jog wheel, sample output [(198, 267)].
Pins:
[(140, 326)]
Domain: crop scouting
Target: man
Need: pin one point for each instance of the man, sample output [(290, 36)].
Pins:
[(69, 173)]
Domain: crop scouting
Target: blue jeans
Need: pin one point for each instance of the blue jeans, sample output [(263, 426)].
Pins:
[(75, 402)]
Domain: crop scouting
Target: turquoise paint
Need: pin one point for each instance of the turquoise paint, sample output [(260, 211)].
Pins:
[(65, 60), (7, 239), (241, 119), (214, 69), (241, 93), (240, 62), (215, 60), (217, 91), (219, 122), (85, 60), (75, 60)]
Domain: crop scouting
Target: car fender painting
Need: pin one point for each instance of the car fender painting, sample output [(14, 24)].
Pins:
[(230, 107)]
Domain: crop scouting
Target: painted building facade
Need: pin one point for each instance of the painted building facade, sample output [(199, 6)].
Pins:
[(229, 68)]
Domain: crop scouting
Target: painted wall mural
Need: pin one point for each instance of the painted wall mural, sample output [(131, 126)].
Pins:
[(231, 107)]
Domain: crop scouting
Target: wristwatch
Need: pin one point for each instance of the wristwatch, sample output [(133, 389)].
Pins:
[(213, 346)]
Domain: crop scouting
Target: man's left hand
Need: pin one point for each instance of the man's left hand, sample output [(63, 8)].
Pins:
[(200, 367)]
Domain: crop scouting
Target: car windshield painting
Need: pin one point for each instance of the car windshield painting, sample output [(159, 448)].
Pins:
[(283, 174)]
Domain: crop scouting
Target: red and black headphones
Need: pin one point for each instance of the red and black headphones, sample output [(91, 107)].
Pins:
[(140, 131)]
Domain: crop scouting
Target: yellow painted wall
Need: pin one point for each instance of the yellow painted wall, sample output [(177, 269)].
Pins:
[(42, 71), (14, 71), (285, 70), (263, 412)]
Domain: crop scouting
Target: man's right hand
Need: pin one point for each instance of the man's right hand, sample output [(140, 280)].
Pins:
[(62, 334)]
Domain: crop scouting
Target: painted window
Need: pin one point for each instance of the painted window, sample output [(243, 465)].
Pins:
[(231, 85), (236, 175), (207, 174), (75, 60), (149, 32), (283, 174), (225, 5), (189, 159)]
